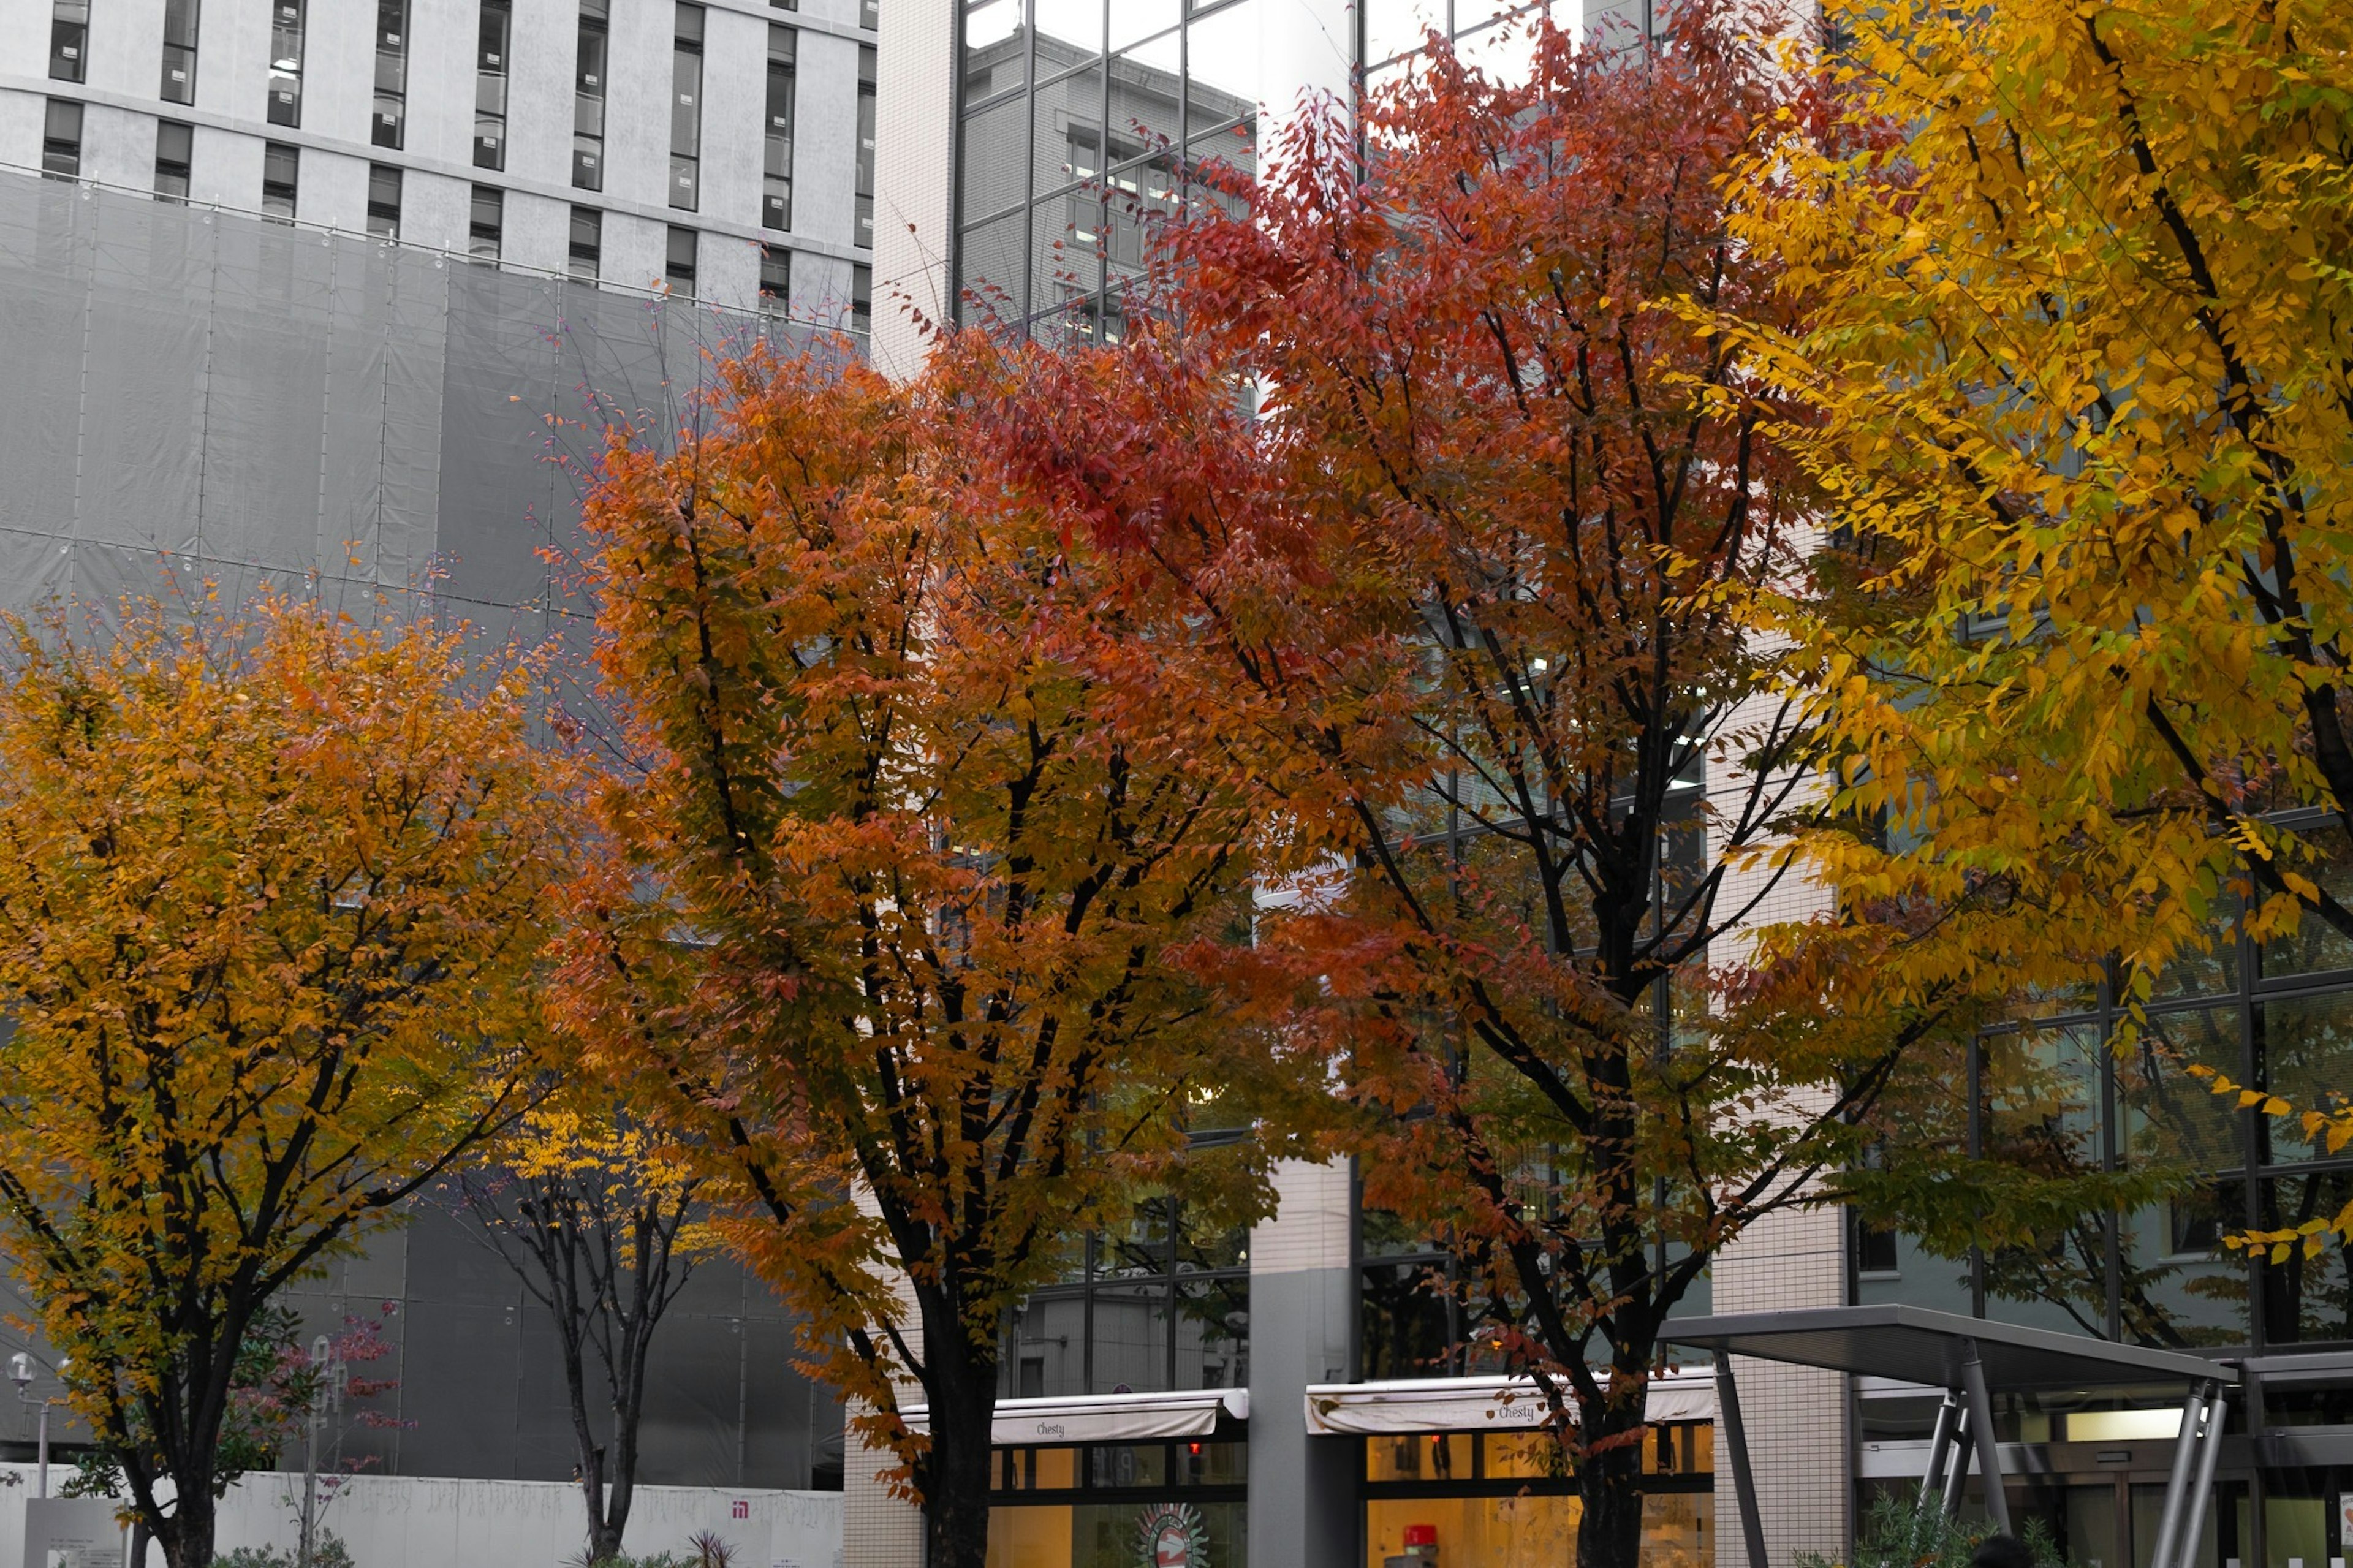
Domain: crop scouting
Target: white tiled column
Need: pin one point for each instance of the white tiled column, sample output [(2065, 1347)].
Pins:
[(915, 171), (1798, 1444)]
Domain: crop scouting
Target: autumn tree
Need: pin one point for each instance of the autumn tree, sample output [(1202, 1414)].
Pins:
[(1473, 573), (272, 888), (604, 1224), (915, 851), (2076, 378)]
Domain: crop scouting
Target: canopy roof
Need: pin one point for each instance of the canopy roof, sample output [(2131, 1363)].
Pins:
[(1916, 1344), (1476, 1404), (1106, 1417)]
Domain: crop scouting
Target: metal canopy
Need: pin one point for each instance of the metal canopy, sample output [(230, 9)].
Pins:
[(1914, 1344), (1968, 1358)]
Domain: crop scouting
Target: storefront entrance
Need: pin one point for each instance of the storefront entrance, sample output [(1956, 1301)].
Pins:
[(1502, 1499), (1120, 1505)]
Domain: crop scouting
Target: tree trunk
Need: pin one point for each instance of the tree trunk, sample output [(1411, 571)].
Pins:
[(956, 1483), (186, 1534), (1609, 1483), (960, 1383)]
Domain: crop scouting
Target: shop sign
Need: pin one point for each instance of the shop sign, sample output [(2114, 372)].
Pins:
[(1171, 1535)]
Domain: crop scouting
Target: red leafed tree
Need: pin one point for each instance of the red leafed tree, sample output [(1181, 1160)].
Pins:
[(1474, 570), (912, 855)]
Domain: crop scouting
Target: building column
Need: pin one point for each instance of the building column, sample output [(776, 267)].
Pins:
[(1796, 1415), (914, 174), (1303, 1490)]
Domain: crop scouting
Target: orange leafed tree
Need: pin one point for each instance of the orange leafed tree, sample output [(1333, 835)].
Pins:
[(1477, 570), (272, 892), (915, 850)]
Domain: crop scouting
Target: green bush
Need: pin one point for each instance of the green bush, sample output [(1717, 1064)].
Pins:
[(330, 1552), (1896, 1534)]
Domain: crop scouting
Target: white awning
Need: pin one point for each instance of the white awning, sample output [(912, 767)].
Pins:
[(1475, 1404), (1106, 1417)]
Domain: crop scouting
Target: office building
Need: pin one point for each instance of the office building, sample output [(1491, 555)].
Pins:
[(351, 292), (723, 150)]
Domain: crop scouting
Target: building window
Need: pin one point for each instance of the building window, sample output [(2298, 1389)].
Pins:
[(490, 85), (484, 224), (384, 201), (587, 243), (784, 5), (865, 235), (61, 139), (776, 279), (678, 263), (861, 298), (870, 15), (1145, 1308), (174, 152), (281, 168), (390, 125), (777, 190), (588, 99), (179, 51), (686, 110), (286, 62), (69, 41)]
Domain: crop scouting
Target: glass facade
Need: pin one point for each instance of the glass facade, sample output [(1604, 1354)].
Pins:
[(1498, 1500), (1060, 184), (1117, 1505), (2046, 1096), (1157, 1307)]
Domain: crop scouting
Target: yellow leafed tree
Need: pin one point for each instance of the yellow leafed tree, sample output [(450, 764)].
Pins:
[(272, 890), (2080, 387)]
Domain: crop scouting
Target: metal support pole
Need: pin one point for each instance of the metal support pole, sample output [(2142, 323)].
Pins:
[(1940, 1450), (1958, 1476), (1744, 1480), (2209, 1450), (2177, 1485), (45, 1448), (1981, 1428)]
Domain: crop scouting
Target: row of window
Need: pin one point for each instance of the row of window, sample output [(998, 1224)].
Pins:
[(281, 176), (70, 43)]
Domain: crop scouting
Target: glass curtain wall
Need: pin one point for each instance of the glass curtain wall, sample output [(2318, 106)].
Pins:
[(2045, 1095), (1156, 1307), (1084, 122), (1497, 35)]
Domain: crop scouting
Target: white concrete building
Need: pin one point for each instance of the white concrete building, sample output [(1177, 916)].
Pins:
[(722, 148)]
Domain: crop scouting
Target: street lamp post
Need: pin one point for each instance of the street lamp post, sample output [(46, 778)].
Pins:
[(20, 1373), (326, 1398)]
